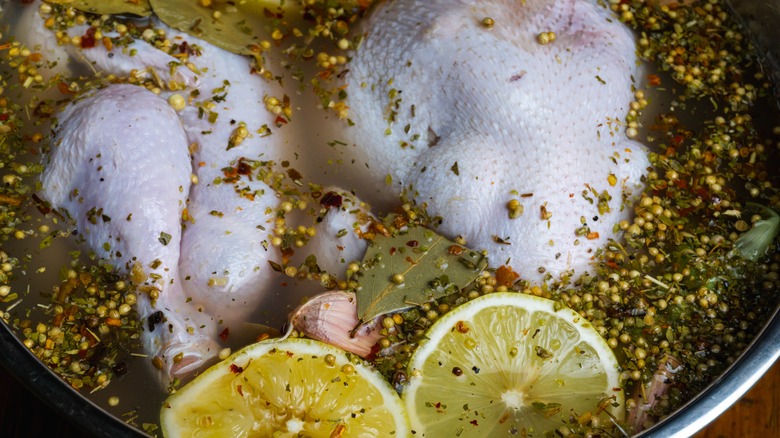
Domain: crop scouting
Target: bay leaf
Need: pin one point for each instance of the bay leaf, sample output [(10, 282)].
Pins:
[(109, 7), (237, 27), (409, 268), (754, 244)]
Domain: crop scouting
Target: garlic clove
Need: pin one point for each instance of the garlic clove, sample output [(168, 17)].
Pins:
[(331, 317)]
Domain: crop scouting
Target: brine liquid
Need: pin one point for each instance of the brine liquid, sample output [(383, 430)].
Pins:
[(139, 393)]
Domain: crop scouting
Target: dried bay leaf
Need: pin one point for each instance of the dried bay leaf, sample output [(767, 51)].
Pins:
[(237, 27), (754, 244), (109, 7), (412, 267)]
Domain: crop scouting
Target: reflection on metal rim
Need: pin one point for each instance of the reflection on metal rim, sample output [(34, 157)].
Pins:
[(727, 389)]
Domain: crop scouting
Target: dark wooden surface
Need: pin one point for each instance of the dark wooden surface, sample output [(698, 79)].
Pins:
[(757, 414)]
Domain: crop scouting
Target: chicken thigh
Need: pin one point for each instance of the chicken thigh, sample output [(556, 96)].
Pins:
[(503, 118)]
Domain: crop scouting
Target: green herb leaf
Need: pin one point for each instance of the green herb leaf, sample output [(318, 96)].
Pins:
[(238, 27), (753, 244), (164, 238), (108, 7), (410, 268)]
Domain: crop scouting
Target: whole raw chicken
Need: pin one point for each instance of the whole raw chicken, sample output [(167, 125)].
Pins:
[(503, 118)]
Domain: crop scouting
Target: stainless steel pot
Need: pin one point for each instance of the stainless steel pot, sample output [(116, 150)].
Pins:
[(762, 18)]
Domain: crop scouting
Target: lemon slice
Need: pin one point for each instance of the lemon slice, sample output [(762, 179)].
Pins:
[(289, 388), (509, 364)]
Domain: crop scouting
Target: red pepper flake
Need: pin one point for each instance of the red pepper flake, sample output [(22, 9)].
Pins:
[(235, 369), (412, 243), (243, 167), (230, 173), (186, 49), (239, 390), (325, 74), (392, 250), (455, 250), (4, 117), (84, 331), (474, 422), (331, 199), (63, 88), (58, 319), (287, 253), (280, 121), (113, 322), (88, 40), (653, 80), (224, 334), (372, 354), (462, 327), (593, 235), (506, 276)]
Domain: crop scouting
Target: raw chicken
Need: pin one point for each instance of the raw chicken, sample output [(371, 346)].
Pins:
[(221, 262), (466, 115), (226, 245), (120, 167), (215, 269), (339, 241)]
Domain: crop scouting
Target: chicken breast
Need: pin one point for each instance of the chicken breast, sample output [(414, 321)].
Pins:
[(504, 119)]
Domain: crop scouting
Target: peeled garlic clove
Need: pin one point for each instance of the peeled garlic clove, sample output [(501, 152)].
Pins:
[(332, 317)]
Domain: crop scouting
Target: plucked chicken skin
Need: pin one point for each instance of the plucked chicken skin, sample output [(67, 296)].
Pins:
[(504, 119)]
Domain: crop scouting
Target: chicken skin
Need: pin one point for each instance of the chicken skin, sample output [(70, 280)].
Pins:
[(502, 118)]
